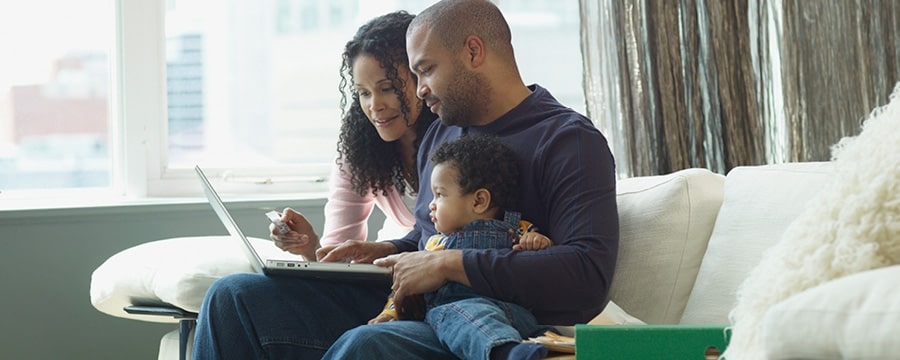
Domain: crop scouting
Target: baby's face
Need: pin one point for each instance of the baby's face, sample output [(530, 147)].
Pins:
[(451, 209)]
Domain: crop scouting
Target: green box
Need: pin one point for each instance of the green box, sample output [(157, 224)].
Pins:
[(649, 341)]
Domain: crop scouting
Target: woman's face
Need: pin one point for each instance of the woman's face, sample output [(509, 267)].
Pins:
[(379, 101)]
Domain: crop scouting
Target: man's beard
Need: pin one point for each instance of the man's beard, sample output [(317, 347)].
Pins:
[(467, 97)]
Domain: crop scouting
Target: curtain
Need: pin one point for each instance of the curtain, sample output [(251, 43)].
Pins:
[(725, 83)]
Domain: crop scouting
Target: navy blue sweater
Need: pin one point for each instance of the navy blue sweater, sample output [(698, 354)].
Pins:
[(568, 191)]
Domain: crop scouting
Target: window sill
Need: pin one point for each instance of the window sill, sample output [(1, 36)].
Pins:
[(48, 208)]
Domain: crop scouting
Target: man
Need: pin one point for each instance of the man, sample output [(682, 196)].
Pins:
[(461, 52)]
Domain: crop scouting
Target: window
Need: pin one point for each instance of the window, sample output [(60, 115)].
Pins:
[(247, 89), (54, 86)]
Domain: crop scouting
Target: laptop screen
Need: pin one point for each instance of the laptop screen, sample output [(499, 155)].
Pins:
[(219, 207)]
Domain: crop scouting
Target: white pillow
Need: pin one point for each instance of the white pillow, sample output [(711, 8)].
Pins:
[(759, 204), (175, 271), (664, 225), (612, 314), (854, 317)]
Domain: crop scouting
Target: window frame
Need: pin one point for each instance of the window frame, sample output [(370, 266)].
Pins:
[(140, 121), (138, 131)]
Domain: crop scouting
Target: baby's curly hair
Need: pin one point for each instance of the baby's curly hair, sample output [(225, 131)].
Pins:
[(483, 162), (374, 164)]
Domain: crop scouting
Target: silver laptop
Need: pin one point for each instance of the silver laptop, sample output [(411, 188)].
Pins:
[(309, 269)]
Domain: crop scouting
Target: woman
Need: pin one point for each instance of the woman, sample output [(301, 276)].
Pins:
[(380, 133)]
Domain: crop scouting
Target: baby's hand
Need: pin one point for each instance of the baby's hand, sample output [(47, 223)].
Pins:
[(533, 241), (382, 318)]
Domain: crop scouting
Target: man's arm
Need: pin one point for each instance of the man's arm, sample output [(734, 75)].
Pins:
[(410, 242), (574, 195)]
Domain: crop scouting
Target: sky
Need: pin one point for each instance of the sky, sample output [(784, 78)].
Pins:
[(34, 32)]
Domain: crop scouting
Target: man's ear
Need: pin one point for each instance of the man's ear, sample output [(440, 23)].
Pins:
[(474, 49), (482, 201)]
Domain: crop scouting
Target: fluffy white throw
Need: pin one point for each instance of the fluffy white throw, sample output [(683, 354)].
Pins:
[(852, 226)]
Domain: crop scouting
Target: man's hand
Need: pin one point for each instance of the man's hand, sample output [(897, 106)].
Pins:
[(301, 240), (356, 251), (419, 272)]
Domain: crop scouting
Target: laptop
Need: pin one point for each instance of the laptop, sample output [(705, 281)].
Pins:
[(308, 269)]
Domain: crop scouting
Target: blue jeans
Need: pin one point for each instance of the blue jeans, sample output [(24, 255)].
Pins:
[(252, 316), (469, 324), (477, 318)]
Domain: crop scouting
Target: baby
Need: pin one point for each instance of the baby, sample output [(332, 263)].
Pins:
[(475, 185)]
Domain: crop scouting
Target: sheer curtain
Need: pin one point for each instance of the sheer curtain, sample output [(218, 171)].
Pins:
[(725, 83)]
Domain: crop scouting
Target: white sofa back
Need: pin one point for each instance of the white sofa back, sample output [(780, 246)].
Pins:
[(759, 204), (689, 238), (664, 225)]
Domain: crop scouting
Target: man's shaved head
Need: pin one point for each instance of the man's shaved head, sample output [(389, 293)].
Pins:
[(454, 20)]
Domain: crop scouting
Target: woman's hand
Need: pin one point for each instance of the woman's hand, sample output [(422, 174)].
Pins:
[(356, 251), (301, 240)]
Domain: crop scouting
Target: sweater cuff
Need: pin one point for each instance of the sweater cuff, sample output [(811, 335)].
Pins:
[(405, 245)]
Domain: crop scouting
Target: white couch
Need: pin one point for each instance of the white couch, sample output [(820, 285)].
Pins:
[(688, 239)]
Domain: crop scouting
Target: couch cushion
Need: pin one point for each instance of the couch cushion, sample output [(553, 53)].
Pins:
[(854, 317), (759, 203), (175, 271), (665, 222)]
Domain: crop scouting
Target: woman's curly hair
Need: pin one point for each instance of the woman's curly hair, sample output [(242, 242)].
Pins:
[(374, 164), (483, 162)]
